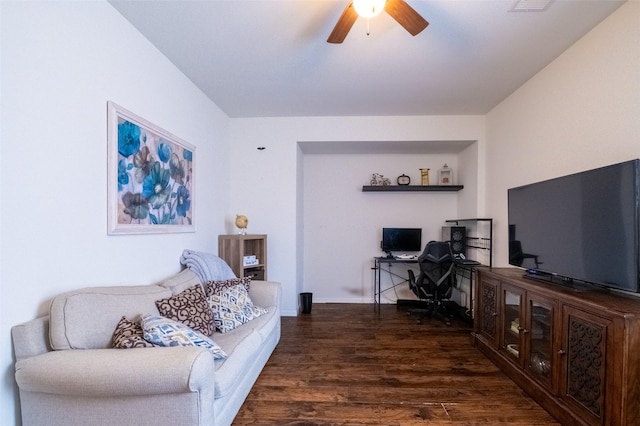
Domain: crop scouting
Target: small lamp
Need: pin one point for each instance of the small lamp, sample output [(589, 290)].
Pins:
[(445, 175)]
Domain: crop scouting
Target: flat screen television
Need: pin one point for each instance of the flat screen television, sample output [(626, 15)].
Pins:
[(580, 229), (401, 240)]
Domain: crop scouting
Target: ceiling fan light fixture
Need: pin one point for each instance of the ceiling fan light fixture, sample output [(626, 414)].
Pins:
[(369, 8)]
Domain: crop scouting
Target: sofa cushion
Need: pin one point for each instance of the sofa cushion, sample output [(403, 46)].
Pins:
[(233, 307), (165, 332), (181, 281), (213, 287), (241, 345), (128, 334), (265, 324), (86, 318), (190, 308)]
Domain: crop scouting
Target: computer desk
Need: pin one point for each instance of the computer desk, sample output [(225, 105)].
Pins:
[(379, 267), (464, 268)]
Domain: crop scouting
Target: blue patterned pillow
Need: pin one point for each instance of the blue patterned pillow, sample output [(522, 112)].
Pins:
[(233, 307), (165, 332)]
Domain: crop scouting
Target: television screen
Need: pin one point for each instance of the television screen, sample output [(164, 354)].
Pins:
[(579, 227), (401, 239)]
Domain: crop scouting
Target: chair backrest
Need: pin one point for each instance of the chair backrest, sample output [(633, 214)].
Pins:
[(436, 269), (437, 252), (516, 256)]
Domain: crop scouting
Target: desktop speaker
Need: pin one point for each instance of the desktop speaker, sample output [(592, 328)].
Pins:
[(457, 236)]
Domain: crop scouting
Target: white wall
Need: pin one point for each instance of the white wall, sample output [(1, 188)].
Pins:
[(343, 225), (266, 186), (579, 113), (61, 62)]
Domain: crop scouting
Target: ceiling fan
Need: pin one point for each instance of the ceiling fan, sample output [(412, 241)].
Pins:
[(399, 10)]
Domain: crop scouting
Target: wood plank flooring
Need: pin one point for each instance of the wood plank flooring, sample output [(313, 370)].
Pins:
[(350, 364)]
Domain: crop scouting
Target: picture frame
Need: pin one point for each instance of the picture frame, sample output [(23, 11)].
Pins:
[(150, 177)]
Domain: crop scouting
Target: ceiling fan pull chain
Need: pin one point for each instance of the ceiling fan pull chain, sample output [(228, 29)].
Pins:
[(368, 31)]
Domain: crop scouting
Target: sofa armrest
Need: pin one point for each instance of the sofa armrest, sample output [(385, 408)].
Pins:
[(118, 372), (265, 293), (31, 338)]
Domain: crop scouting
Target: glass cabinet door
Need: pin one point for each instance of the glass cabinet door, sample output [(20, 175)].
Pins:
[(511, 322), (539, 329)]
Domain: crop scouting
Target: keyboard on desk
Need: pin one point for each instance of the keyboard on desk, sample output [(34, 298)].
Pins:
[(404, 257)]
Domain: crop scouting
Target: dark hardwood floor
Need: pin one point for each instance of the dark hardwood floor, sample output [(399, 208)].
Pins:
[(348, 364)]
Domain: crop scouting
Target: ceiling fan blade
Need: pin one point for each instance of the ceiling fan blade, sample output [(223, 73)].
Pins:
[(343, 25), (406, 16)]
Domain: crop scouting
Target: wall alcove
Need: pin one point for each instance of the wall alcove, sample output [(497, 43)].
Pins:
[(343, 215)]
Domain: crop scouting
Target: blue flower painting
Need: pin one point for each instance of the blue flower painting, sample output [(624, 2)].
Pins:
[(154, 177)]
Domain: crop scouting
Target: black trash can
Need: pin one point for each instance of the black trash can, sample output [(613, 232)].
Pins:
[(306, 299)]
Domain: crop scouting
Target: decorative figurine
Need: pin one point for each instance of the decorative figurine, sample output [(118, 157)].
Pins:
[(403, 180), (424, 176), (379, 180), (241, 223)]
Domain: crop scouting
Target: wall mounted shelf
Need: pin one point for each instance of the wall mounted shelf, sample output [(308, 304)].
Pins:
[(410, 188)]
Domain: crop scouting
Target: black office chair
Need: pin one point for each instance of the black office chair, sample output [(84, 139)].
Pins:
[(436, 280)]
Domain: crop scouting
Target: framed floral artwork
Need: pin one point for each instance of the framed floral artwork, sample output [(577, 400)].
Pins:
[(150, 177)]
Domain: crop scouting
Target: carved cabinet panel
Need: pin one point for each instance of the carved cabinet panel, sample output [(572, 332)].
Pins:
[(584, 373), (487, 311)]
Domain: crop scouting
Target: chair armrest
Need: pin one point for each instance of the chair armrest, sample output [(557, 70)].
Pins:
[(265, 293), (117, 372)]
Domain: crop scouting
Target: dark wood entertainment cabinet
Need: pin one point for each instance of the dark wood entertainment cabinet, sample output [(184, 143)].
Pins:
[(575, 351)]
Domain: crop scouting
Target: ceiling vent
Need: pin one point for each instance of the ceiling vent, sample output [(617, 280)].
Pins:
[(530, 5)]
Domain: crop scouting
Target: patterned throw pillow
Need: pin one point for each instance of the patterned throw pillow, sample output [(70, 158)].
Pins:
[(128, 334), (233, 307), (213, 287), (165, 332), (190, 308)]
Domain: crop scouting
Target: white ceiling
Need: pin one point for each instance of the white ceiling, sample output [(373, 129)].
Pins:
[(270, 58)]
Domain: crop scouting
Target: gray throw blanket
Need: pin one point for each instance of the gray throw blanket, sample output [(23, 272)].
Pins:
[(206, 266)]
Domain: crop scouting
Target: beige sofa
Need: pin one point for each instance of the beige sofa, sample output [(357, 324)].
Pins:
[(68, 374)]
